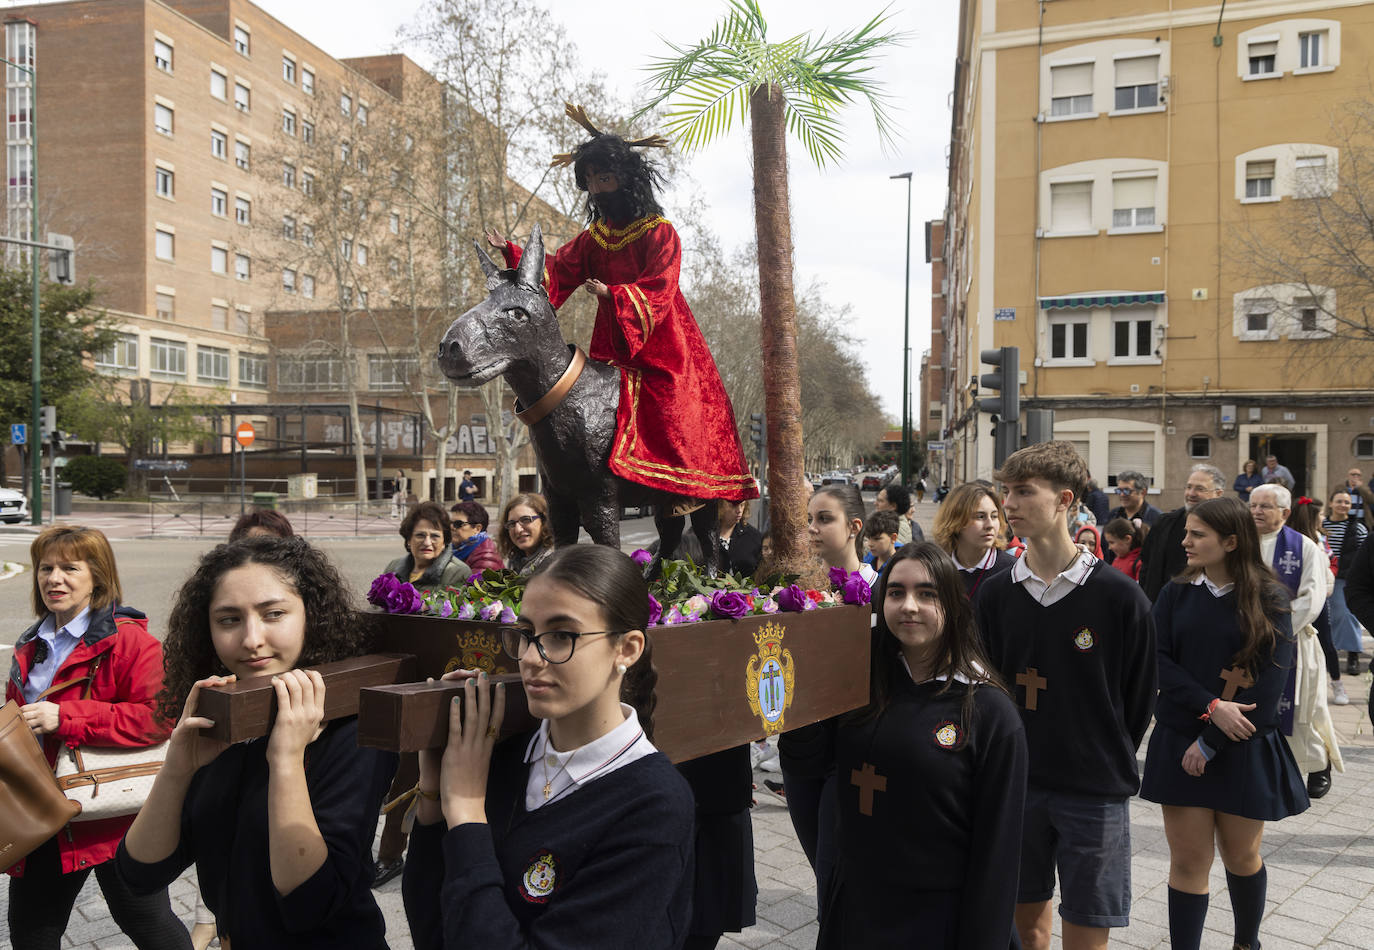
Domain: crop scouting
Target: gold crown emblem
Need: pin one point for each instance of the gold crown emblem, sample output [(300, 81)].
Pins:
[(770, 631)]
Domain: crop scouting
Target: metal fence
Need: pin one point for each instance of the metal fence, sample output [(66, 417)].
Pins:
[(316, 517)]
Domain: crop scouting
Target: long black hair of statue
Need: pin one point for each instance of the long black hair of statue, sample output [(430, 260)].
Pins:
[(637, 176)]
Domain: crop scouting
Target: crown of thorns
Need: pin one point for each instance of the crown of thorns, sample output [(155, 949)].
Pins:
[(579, 115)]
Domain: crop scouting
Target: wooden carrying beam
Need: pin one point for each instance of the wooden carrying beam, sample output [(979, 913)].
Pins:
[(409, 717), (245, 709)]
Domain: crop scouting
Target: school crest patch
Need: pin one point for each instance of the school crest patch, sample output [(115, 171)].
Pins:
[(1083, 640), (948, 735), (540, 878)]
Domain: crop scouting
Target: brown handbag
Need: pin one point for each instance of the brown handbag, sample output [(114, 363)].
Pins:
[(32, 807)]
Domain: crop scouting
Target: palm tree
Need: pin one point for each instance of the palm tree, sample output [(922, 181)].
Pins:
[(797, 85)]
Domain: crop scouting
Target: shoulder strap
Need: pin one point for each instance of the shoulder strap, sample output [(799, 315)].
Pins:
[(88, 679)]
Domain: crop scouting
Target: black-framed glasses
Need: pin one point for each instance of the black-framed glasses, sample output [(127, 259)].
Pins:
[(524, 521), (463, 524), (555, 646)]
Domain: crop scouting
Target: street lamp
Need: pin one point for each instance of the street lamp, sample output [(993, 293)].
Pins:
[(906, 344)]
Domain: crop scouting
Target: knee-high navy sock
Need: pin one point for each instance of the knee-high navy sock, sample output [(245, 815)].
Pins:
[(1247, 904), (1187, 913)]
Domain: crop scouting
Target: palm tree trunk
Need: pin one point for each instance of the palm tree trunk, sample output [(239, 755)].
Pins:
[(778, 312)]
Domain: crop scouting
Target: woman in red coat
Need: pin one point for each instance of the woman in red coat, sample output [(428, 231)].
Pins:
[(84, 637), (471, 543)]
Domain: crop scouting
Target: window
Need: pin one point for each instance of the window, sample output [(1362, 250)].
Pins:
[(308, 235), (243, 152), (252, 371), (308, 81), (243, 321), (390, 375), (242, 40), (1069, 337), (362, 114), (162, 118), (362, 161), (1310, 47), (212, 364), (362, 298), (346, 296), (345, 103), (162, 182), (242, 96), (162, 55), (1071, 89), (165, 245), (219, 85), (1071, 206), (345, 152), (219, 144), (1133, 202), (243, 210), (307, 183), (219, 202), (1307, 319), (165, 306), (310, 373), (288, 70), (1130, 453), (219, 260), (1259, 179), (288, 280), (346, 201), (1309, 176), (243, 265), (288, 122), (288, 227), (1259, 315), (1137, 83), (1263, 56), (1132, 335), (288, 175), (362, 255), (1364, 446), (346, 249), (219, 317), (393, 267), (1200, 447), (308, 286), (395, 223), (167, 357), (120, 356), (307, 132)]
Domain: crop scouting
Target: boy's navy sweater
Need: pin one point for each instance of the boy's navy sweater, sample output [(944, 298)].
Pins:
[(1095, 649), (620, 849), (224, 831)]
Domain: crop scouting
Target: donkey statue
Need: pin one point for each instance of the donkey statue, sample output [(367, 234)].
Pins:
[(569, 403)]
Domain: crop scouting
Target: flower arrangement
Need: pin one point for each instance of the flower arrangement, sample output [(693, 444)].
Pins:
[(681, 595)]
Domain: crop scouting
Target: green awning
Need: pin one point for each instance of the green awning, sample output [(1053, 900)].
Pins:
[(1084, 301)]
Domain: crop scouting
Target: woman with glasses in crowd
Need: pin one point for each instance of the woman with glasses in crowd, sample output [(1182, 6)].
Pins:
[(471, 543), (429, 561), (524, 536), (578, 834)]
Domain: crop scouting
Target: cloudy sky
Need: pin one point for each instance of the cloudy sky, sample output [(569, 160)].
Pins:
[(849, 224)]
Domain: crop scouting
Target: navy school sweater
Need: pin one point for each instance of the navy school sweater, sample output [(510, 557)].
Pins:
[(608, 865), (1094, 683)]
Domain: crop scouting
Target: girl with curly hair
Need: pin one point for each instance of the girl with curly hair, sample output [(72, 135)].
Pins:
[(279, 828)]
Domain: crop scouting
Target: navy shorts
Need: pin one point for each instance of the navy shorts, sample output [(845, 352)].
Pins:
[(1089, 841)]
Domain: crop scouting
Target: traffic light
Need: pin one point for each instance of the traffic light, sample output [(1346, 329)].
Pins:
[(1005, 383), (49, 422), (757, 433)]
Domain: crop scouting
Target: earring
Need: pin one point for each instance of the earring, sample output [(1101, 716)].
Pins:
[(621, 668)]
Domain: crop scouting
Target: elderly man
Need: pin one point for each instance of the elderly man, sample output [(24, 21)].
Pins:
[(1272, 470), (1304, 569), (1162, 556)]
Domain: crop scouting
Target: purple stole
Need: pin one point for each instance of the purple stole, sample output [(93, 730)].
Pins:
[(1288, 566)]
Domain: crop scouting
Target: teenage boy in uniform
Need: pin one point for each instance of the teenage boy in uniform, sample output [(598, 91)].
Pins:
[(1074, 641)]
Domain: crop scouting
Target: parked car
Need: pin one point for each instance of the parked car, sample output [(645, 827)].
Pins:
[(872, 481), (836, 478), (14, 507)]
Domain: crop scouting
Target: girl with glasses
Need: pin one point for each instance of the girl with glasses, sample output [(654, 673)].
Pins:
[(578, 834), (524, 536)]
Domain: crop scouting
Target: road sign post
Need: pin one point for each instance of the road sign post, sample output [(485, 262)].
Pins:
[(244, 436)]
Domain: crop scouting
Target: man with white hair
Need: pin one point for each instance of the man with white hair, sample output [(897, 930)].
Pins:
[(1162, 556), (1303, 568)]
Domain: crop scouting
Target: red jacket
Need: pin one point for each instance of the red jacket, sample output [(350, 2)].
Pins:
[(120, 712), (485, 557), (1129, 564)]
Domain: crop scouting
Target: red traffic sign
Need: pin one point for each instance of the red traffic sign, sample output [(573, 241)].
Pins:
[(244, 434)]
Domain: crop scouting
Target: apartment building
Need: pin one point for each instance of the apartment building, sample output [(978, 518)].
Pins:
[(1109, 163), (930, 424)]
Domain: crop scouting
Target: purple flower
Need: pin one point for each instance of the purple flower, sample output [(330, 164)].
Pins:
[(467, 611), (446, 608), (381, 587), (838, 576), (404, 599), (641, 557), (674, 615), (767, 606), (856, 590), (792, 599), (729, 605), (507, 615), (655, 610), (491, 611)]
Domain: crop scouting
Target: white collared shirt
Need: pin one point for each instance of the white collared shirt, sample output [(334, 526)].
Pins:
[(1203, 580), (60, 643), (565, 771), (1075, 575), (988, 560), (958, 677)]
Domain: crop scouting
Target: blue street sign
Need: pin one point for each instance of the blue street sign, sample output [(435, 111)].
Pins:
[(19, 433)]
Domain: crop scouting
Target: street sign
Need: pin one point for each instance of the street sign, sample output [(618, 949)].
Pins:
[(244, 434), (934, 446), (19, 433)]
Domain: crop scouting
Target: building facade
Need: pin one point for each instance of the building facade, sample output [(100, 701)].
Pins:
[(1112, 167)]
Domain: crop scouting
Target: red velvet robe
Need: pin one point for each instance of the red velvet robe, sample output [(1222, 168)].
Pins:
[(675, 429)]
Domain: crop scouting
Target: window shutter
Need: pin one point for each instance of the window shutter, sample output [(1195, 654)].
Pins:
[(1261, 305), (1071, 80), (1269, 48), (1080, 446), (1259, 169), (1130, 455), (1137, 71), (1071, 206), (1133, 193)]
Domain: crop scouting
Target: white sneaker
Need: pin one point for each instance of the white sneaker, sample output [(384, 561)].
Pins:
[(1338, 694), (771, 764), (757, 753)]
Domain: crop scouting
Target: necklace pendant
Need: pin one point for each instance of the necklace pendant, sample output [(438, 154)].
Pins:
[(548, 790)]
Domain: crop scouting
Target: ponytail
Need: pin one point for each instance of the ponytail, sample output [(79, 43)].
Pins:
[(637, 687)]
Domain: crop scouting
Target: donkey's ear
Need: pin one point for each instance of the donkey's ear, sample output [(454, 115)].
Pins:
[(488, 265), (531, 270)]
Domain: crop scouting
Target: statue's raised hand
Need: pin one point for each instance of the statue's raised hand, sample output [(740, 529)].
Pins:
[(495, 239)]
